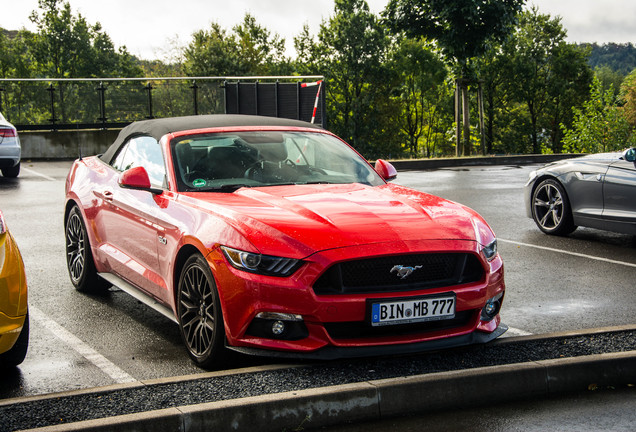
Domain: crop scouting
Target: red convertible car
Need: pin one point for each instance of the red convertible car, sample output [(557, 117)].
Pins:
[(273, 236)]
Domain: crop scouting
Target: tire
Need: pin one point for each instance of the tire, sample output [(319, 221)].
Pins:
[(12, 172), (18, 352), (551, 209), (79, 258), (199, 314)]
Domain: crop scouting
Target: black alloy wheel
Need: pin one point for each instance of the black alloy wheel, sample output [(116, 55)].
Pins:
[(199, 313), (79, 258), (551, 208)]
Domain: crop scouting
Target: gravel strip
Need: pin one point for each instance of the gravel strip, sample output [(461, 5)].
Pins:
[(73, 408)]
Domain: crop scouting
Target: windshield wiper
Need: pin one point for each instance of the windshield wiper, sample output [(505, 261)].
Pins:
[(231, 187)]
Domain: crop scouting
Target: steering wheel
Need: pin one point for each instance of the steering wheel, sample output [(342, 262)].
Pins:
[(254, 172)]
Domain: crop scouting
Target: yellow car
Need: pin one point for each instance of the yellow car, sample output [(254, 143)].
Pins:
[(14, 316)]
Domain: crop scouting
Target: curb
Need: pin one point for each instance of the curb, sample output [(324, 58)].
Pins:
[(381, 399)]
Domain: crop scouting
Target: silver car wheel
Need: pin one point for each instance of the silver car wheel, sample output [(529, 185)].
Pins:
[(548, 204), (551, 208)]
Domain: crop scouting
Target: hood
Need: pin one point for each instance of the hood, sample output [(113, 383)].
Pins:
[(299, 220)]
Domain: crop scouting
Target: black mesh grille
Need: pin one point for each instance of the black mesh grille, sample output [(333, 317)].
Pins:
[(386, 274)]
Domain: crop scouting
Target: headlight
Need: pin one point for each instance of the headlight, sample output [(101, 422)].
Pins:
[(261, 264), (490, 250)]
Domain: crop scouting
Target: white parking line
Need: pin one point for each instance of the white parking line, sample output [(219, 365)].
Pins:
[(30, 171), (82, 348), (592, 257)]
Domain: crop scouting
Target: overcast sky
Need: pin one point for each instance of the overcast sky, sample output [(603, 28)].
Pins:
[(149, 27)]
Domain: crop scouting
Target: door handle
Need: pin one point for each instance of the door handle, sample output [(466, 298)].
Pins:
[(106, 195)]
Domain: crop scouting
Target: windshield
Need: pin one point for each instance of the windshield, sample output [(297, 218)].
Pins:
[(225, 161)]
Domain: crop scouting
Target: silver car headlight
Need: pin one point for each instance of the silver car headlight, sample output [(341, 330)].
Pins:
[(261, 264), (490, 250)]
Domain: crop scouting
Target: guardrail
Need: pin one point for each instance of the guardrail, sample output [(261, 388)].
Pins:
[(106, 103)]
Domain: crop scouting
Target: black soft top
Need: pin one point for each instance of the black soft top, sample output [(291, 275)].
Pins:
[(157, 128)]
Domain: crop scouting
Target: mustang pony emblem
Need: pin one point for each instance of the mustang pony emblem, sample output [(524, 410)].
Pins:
[(404, 272)]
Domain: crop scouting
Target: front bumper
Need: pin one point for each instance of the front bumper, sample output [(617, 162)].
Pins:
[(330, 323), (334, 352)]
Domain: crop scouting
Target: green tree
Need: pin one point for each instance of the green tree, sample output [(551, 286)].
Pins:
[(308, 53), (628, 96), (66, 46), (494, 68), (212, 52), (546, 74), (249, 49), (422, 90), (351, 53), (620, 58), (569, 88), (261, 52), (600, 126), (609, 77), (464, 29), (6, 59)]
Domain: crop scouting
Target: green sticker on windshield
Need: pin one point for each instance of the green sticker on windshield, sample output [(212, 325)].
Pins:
[(199, 183)]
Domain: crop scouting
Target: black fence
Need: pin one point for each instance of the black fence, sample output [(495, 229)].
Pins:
[(62, 104)]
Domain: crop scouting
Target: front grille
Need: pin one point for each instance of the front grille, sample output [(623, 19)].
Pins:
[(362, 330), (378, 275)]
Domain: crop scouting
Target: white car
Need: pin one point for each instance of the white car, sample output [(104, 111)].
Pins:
[(10, 150)]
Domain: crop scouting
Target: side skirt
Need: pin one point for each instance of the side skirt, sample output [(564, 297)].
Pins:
[(139, 295)]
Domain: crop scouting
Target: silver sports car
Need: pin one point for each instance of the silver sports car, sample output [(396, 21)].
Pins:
[(597, 191)]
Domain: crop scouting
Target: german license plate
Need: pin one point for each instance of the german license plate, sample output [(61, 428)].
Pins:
[(404, 311)]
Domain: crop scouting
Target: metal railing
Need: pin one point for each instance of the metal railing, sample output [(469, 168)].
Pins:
[(105, 103)]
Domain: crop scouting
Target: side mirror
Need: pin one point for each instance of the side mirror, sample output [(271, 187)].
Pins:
[(137, 178), (630, 155), (385, 169)]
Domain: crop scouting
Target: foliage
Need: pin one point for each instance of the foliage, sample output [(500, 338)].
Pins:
[(16, 58), (66, 46), (249, 49), (620, 58), (462, 28), (423, 94), (609, 78), (600, 126), (546, 74), (628, 96), (351, 53)]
